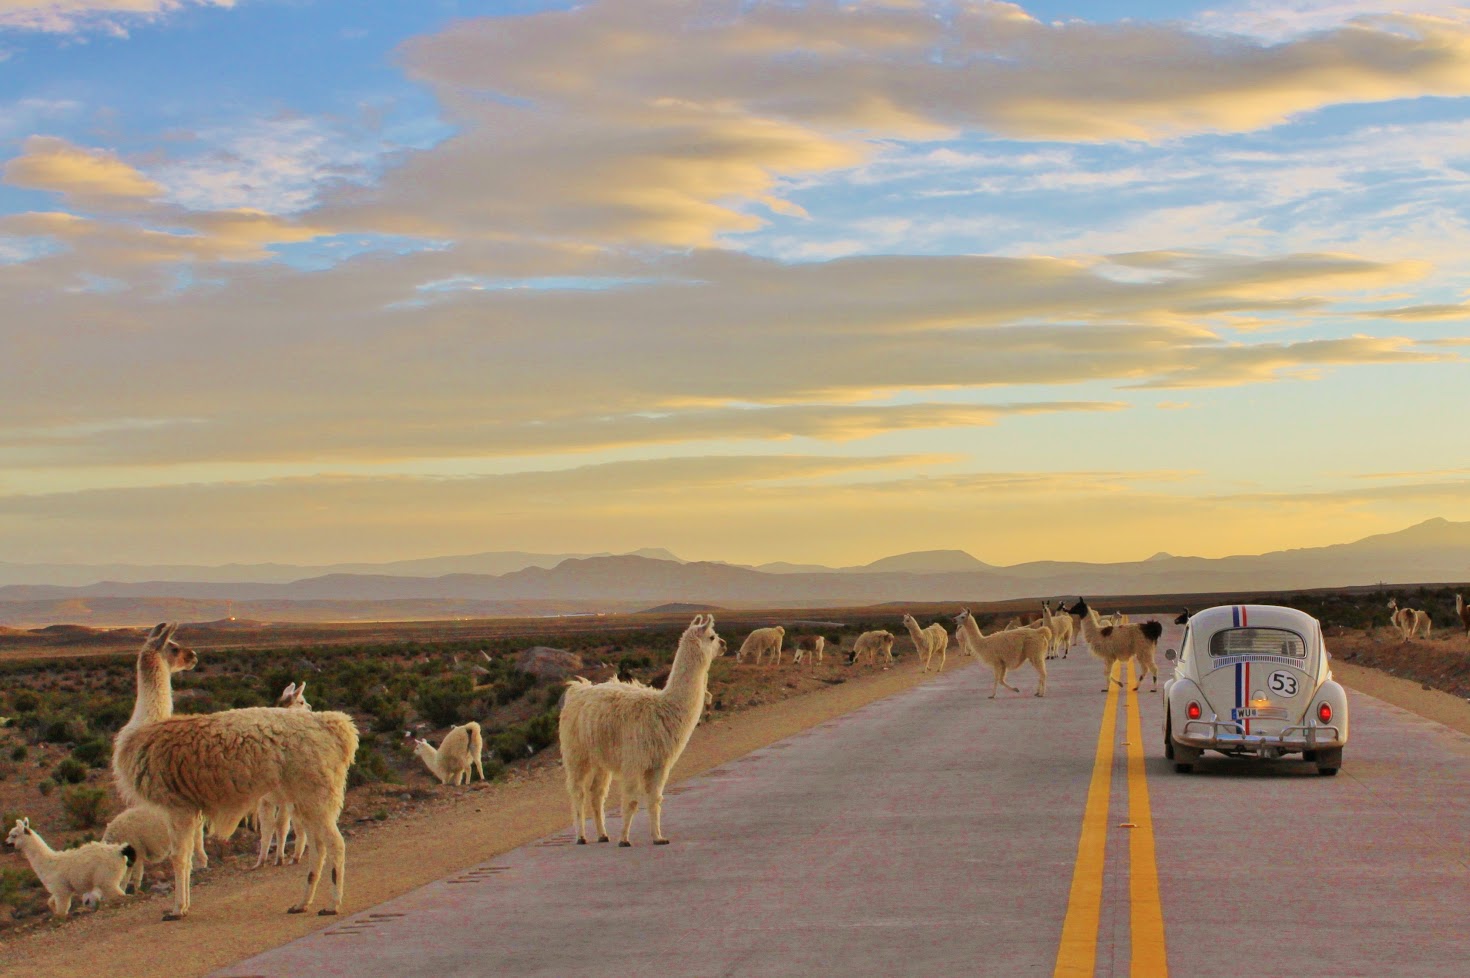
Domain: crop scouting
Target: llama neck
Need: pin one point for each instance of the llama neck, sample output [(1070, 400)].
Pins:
[(36, 849), (688, 679), (431, 758), (155, 690), (915, 631)]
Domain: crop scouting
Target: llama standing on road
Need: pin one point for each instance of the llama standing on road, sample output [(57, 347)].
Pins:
[(762, 641), (1408, 621), (634, 733), (1120, 643), (928, 642), (1005, 651), (271, 811), (220, 765)]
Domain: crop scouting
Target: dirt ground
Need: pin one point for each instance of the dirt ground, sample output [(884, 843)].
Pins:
[(238, 913)]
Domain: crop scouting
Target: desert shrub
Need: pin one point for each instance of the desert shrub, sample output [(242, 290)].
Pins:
[(25, 701), (19, 752), (509, 744), (541, 731), (46, 786), (70, 771), (388, 714), (96, 752), (111, 714), (369, 766), (446, 702), (63, 729), (84, 806)]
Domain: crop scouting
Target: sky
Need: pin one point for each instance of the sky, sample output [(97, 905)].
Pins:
[(317, 280)]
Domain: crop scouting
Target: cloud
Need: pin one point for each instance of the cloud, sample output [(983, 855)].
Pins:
[(68, 16), (1278, 20), (55, 165), (1430, 312)]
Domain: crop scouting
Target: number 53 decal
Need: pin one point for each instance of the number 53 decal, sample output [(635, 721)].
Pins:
[(1282, 683)]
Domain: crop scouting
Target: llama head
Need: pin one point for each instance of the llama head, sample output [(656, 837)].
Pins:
[(21, 829), (960, 618), (701, 635), (161, 641), (1080, 608), (293, 697), (1183, 617), (1393, 604)]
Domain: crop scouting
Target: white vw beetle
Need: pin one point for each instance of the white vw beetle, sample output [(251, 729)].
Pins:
[(1254, 680)]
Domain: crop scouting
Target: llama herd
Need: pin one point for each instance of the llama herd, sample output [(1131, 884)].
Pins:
[(288, 763)]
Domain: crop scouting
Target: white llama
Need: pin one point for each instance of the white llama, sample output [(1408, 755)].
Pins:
[(762, 641), (1409, 621), (928, 641), (272, 811), (1004, 651), (462, 748), (91, 871), (220, 765), (870, 644), (634, 733), (1121, 643)]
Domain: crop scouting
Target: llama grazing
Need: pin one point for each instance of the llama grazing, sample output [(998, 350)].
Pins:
[(272, 811), (1409, 621), (220, 765), (91, 871), (870, 644), (1120, 643), (1464, 613), (634, 733), (1004, 651), (812, 645), (460, 750), (928, 642), (761, 641)]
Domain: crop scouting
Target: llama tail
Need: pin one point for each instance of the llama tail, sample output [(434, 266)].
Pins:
[(1151, 630), (129, 854)]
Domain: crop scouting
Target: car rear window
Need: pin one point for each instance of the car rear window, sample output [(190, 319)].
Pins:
[(1257, 641)]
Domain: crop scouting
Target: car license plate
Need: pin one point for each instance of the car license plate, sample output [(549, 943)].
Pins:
[(1258, 713)]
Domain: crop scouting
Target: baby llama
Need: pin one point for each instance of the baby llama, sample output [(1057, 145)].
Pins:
[(1120, 643), (809, 645), (928, 641), (1004, 651), (220, 765), (462, 748), (634, 733), (90, 871)]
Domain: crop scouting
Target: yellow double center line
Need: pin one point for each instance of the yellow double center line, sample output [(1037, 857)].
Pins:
[(1077, 955)]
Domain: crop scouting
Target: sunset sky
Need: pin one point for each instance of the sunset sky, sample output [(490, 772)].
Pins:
[(327, 280)]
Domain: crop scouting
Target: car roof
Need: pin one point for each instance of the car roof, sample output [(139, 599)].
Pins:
[(1253, 616)]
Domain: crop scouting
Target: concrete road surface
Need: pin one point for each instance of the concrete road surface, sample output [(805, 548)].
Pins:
[(942, 833)]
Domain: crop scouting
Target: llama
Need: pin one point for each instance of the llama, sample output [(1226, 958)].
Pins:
[(149, 831), (92, 871), (761, 641), (271, 811), (1183, 618), (1004, 651), (812, 645), (1464, 613), (870, 644), (220, 765), (928, 641), (461, 749), (1409, 621), (634, 733), (1120, 643)]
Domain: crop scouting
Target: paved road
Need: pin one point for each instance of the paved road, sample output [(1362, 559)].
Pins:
[(937, 833)]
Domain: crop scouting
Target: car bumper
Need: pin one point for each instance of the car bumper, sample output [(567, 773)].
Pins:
[(1229, 735)]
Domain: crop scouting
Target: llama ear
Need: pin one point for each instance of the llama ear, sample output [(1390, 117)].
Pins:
[(301, 690), (288, 692)]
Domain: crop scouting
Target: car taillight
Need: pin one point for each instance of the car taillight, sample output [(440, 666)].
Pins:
[(1324, 712), (1193, 710)]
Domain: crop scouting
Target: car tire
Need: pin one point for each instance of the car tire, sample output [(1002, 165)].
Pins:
[(1329, 761), (1184, 758), (1309, 755), (1168, 737)]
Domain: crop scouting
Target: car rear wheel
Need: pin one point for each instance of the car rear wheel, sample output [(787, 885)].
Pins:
[(1184, 758), (1169, 736), (1329, 761)]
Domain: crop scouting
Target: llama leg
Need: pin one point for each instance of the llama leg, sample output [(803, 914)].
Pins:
[(186, 828), (653, 792), (1107, 676), (1040, 663), (602, 781), (317, 863), (61, 903), (334, 848), (265, 825), (577, 796), (999, 670), (629, 794)]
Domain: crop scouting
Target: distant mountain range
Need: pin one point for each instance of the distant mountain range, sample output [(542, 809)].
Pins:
[(522, 583)]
